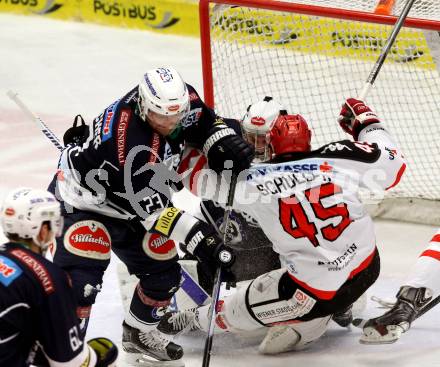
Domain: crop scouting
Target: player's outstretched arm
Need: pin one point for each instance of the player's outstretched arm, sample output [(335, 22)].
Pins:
[(376, 154)]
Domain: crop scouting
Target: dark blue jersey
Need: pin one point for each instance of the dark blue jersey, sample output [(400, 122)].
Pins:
[(116, 171), (36, 304)]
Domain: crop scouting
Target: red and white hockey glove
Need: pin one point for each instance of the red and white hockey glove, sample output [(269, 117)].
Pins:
[(354, 116)]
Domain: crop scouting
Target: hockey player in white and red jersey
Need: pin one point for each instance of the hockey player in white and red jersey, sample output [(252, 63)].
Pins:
[(418, 289), (307, 204)]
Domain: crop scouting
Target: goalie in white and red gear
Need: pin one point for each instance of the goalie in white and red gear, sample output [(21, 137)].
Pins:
[(307, 203), (244, 233), (257, 121)]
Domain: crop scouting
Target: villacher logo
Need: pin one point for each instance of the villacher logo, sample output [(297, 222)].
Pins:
[(88, 238), (159, 247)]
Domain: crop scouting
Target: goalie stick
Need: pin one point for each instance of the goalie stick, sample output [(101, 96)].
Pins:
[(369, 83)]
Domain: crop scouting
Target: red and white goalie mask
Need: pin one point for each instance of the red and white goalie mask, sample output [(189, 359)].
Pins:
[(257, 122), (289, 134)]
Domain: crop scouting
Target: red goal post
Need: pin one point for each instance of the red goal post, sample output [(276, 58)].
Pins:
[(312, 54)]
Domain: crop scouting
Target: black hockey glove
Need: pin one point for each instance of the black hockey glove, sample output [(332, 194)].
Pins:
[(77, 134), (106, 351), (354, 116), (222, 145), (204, 243)]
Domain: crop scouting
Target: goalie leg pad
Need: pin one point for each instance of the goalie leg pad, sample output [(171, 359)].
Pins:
[(311, 331), (232, 314), (272, 302), (236, 313), (289, 337), (265, 302)]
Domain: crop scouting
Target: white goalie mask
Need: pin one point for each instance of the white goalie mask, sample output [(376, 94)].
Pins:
[(257, 121), (24, 211), (163, 93)]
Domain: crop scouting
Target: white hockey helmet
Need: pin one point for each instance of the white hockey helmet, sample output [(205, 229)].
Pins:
[(257, 121), (163, 91), (24, 211)]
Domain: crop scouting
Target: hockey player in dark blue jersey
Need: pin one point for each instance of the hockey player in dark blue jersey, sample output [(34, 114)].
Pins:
[(115, 188), (38, 322)]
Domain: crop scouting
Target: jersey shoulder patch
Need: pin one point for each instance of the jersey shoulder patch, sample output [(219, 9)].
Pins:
[(352, 150), (38, 266), (9, 270), (108, 121)]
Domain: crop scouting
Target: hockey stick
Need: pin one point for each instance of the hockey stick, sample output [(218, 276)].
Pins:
[(46, 131), (428, 306), (217, 280), (385, 51)]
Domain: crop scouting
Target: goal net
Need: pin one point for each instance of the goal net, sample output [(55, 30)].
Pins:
[(311, 55)]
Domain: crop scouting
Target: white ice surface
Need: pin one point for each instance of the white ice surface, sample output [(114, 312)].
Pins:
[(61, 69)]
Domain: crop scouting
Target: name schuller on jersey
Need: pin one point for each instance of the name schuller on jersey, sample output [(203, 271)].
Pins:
[(277, 185), (311, 166)]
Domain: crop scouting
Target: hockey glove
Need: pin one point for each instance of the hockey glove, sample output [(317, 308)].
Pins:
[(222, 145), (354, 116), (106, 351), (204, 243)]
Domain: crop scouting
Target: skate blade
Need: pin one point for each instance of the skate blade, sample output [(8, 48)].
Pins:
[(142, 360), (371, 336)]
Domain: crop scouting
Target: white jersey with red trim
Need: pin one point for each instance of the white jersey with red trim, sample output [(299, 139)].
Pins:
[(426, 270), (309, 206)]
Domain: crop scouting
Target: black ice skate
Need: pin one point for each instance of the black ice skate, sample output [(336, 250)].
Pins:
[(344, 317), (390, 326), (150, 348), (176, 323)]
